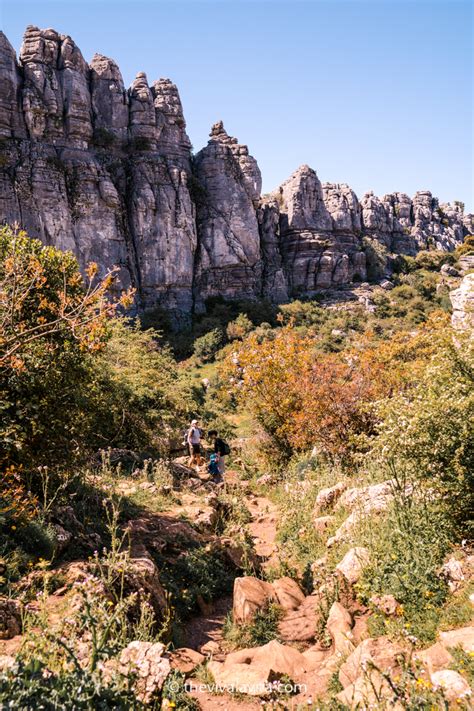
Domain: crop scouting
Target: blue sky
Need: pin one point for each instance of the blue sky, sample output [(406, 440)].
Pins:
[(374, 93)]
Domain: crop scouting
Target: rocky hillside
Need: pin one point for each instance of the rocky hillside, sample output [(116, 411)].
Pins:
[(108, 172)]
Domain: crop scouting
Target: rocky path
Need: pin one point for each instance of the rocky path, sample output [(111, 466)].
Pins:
[(204, 633), (263, 526)]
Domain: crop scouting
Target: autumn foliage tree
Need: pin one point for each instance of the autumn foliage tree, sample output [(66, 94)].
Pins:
[(51, 319), (304, 397)]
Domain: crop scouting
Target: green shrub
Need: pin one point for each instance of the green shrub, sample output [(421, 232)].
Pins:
[(174, 692), (50, 330), (433, 260), (376, 258), (426, 432), (467, 247), (239, 328), (140, 143), (197, 574), (103, 138), (31, 685), (206, 347), (137, 397), (262, 629), (407, 549)]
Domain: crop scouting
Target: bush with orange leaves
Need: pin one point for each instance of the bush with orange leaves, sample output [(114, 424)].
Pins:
[(17, 505), (303, 397), (45, 302), (51, 321)]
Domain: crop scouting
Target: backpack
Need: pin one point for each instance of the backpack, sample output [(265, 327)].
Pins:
[(226, 448), (213, 466)]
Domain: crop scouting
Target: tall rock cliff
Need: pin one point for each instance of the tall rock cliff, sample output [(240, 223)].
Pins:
[(107, 172), (229, 182), (93, 168)]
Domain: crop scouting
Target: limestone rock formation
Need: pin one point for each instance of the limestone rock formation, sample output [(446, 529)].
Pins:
[(98, 170), (106, 172), (462, 300), (319, 240), (229, 181)]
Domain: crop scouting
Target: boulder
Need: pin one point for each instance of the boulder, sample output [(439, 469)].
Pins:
[(381, 652), (241, 678), (146, 660), (280, 659), (328, 497), (463, 637), (209, 649), (315, 656), (322, 523), (300, 625), (288, 593), (435, 657), (345, 529), (62, 537), (353, 563), (6, 662), (143, 577), (185, 660), (449, 270), (369, 499), (250, 595), (366, 692), (206, 520), (453, 571), (454, 686), (10, 617), (385, 603), (339, 626)]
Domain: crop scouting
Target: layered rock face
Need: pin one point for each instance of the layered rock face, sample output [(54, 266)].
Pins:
[(106, 172), (229, 183), (320, 238), (93, 168)]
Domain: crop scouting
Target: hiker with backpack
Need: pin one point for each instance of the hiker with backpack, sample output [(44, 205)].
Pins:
[(221, 449)]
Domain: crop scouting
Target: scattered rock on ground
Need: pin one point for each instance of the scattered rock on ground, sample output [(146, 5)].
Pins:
[(300, 625), (288, 593), (453, 571), (366, 692), (463, 637), (353, 563), (185, 660), (322, 523), (241, 678), (328, 497), (385, 603), (10, 617), (373, 498), (146, 660), (435, 657), (279, 658), (339, 626), (381, 652), (453, 684), (250, 595)]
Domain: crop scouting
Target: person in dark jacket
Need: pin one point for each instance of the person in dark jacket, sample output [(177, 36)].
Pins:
[(220, 448)]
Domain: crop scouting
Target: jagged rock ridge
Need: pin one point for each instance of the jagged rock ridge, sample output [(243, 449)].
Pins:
[(108, 173)]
